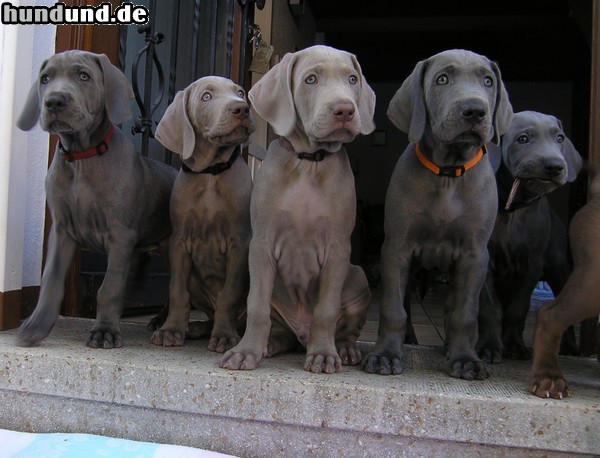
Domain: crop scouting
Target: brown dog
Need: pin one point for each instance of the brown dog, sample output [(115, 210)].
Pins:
[(578, 300)]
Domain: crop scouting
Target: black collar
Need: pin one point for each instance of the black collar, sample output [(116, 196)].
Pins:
[(219, 167), (317, 156)]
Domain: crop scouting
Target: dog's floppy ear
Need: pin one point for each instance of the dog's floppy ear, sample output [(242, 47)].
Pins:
[(31, 111), (175, 131), (503, 112), (407, 107), (366, 102), (494, 153), (272, 96), (571, 155), (117, 91), (573, 159)]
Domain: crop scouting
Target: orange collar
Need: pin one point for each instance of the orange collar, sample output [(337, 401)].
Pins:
[(450, 170)]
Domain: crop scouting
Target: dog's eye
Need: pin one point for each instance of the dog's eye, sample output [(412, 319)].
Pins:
[(45, 79), (442, 79), (83, 76), (353, 79), (311, 79), (523, 139), (241, 93), (560, 138), (488, 81), (206, 97)]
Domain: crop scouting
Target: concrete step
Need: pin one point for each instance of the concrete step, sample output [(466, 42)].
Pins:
[(180, 396)]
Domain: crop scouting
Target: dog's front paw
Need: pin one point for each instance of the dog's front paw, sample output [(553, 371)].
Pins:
[(383, 363), (168, 338), (220, 343), (349, 353), (548, 383), (104, 338), (490, 354), (156, 322), (516, 350), (468, 369), (385, 358), (241, 358), (320, 362)]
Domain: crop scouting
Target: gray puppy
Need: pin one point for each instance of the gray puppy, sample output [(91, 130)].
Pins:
[(302, 285), (101, 193), (210, 211), (441, 202), (536, 158)]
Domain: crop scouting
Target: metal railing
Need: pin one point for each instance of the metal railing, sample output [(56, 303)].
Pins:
[(212, 27)]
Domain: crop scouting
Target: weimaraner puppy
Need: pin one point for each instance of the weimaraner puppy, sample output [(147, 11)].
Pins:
[(302, 285), (578, 300), (441, 202), (536, 158), (210, 211), (101, 193)]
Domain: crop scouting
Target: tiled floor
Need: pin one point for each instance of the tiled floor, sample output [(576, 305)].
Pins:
[(427, 317)]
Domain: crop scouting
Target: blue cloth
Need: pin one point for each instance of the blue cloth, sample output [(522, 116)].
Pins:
[(28, 445)]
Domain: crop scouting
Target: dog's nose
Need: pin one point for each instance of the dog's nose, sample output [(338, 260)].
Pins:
[(473, 110), (554, 168), (55, 102), (343, 111), (240, 110)]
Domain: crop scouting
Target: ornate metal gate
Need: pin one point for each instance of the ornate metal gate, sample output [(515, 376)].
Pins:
[(183, 41)]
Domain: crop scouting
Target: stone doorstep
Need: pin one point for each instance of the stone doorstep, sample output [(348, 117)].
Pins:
[(140, 388)]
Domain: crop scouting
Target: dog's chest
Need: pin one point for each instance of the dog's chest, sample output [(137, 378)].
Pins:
[(77, 207), (451, 224), (312, 219), (519, 239), (207, 219), (305, 224)]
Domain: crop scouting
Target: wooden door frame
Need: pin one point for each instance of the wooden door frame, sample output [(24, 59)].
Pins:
[(588, 335), (594, 140)]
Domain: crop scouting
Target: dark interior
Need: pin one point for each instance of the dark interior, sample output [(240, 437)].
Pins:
[(548, 40)]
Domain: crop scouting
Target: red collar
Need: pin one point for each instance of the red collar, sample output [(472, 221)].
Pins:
[(451, 170), (97, 150)]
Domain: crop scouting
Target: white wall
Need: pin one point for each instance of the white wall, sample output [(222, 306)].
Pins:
[(37, 165), (23, 156)]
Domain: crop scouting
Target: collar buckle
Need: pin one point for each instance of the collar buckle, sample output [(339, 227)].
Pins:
[(451, 171), (102, 148), (65, 154), (317, 156)]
